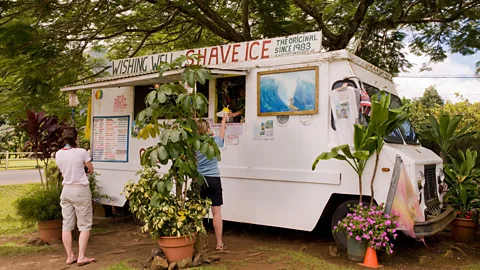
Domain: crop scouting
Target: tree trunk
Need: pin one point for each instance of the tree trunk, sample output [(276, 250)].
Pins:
[(360, 187), (444, 157), (372, 192), (40, 172)]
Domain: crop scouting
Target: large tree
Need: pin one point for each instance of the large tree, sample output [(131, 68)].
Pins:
[(53, 36)]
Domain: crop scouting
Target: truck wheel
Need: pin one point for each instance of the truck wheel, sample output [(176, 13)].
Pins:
[(341, 211)]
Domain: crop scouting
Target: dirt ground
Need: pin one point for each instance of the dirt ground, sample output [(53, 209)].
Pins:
[(118, 240)]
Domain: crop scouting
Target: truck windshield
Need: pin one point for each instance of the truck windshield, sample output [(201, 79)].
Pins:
[(405, 132)]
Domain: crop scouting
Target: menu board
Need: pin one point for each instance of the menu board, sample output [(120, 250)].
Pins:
[(110, 138)]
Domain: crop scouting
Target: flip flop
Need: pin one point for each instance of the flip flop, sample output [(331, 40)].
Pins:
[(85, 263), (220, 247), (72, 262)]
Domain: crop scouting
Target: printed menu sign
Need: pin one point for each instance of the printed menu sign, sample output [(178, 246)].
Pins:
[(110, 138)]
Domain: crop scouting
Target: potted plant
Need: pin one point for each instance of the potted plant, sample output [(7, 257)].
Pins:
[(169, 204), (367, 141), (462, 180), (173, 220), (43, 204), (369, 226)]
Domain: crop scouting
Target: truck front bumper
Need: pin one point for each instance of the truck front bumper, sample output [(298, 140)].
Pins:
[(434, 224)]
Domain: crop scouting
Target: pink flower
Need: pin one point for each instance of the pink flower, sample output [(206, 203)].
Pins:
[(350, 234), (358, 238), (335, 227), (370, 232), (388, 222)]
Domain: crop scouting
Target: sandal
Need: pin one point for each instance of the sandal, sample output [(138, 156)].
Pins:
[(220, 247)]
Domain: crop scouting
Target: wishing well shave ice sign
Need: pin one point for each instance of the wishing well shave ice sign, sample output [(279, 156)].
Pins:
[(230, 53)]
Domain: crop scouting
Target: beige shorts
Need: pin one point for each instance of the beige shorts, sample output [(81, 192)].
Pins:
[(76, 202)]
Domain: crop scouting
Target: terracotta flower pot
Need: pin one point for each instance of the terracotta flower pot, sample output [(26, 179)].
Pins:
[(177, 248), (51, 229), (464, 230)]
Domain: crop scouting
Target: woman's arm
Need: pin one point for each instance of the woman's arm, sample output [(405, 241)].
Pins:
[(89, 165), (223, 127)]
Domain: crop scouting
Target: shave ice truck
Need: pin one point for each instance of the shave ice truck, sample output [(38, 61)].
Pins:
[(282, 89)]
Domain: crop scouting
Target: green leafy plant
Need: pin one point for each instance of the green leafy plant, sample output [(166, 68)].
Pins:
[(462, 180), (53, 175), (164, 213), (165, 203), (40, 205), (444, 131), (95, 189)]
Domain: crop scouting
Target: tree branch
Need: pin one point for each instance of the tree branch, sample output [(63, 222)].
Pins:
[(92, 76), (355, 23), (319, 18), (390, 23), (218, 20), (245, 25), (212, 26), (156, 29)]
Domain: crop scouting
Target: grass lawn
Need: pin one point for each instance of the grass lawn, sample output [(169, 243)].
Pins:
[(10, 223), (16, 249), (20, 164)]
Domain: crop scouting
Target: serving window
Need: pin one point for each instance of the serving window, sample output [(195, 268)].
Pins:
[(231, 94)]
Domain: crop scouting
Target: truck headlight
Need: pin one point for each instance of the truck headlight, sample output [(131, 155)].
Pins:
[(441, 175), (420, 180)]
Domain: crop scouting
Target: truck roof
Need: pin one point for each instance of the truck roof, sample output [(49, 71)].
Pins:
[(237, 68)]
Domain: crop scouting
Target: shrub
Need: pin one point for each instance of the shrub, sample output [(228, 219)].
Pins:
[(40, 205)]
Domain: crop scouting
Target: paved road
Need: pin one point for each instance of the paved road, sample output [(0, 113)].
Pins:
[(19, 177)]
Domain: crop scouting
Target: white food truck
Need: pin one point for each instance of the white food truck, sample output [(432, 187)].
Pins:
[(266, 165)]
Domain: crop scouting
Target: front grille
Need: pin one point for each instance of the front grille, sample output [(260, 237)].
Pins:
[(430, 189)]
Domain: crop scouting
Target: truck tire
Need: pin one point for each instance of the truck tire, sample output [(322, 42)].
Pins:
[(341, 211)]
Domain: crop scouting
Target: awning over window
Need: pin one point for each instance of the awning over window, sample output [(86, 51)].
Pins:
[(145, 79)]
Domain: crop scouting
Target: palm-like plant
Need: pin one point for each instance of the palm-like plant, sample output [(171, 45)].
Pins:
[(462, 179), (444, 132), (364, 146), (368, 140)]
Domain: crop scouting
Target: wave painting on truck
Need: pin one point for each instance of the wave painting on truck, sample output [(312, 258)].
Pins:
[(291, 92)]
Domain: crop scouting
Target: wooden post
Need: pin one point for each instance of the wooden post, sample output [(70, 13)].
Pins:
[(6, 161)]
